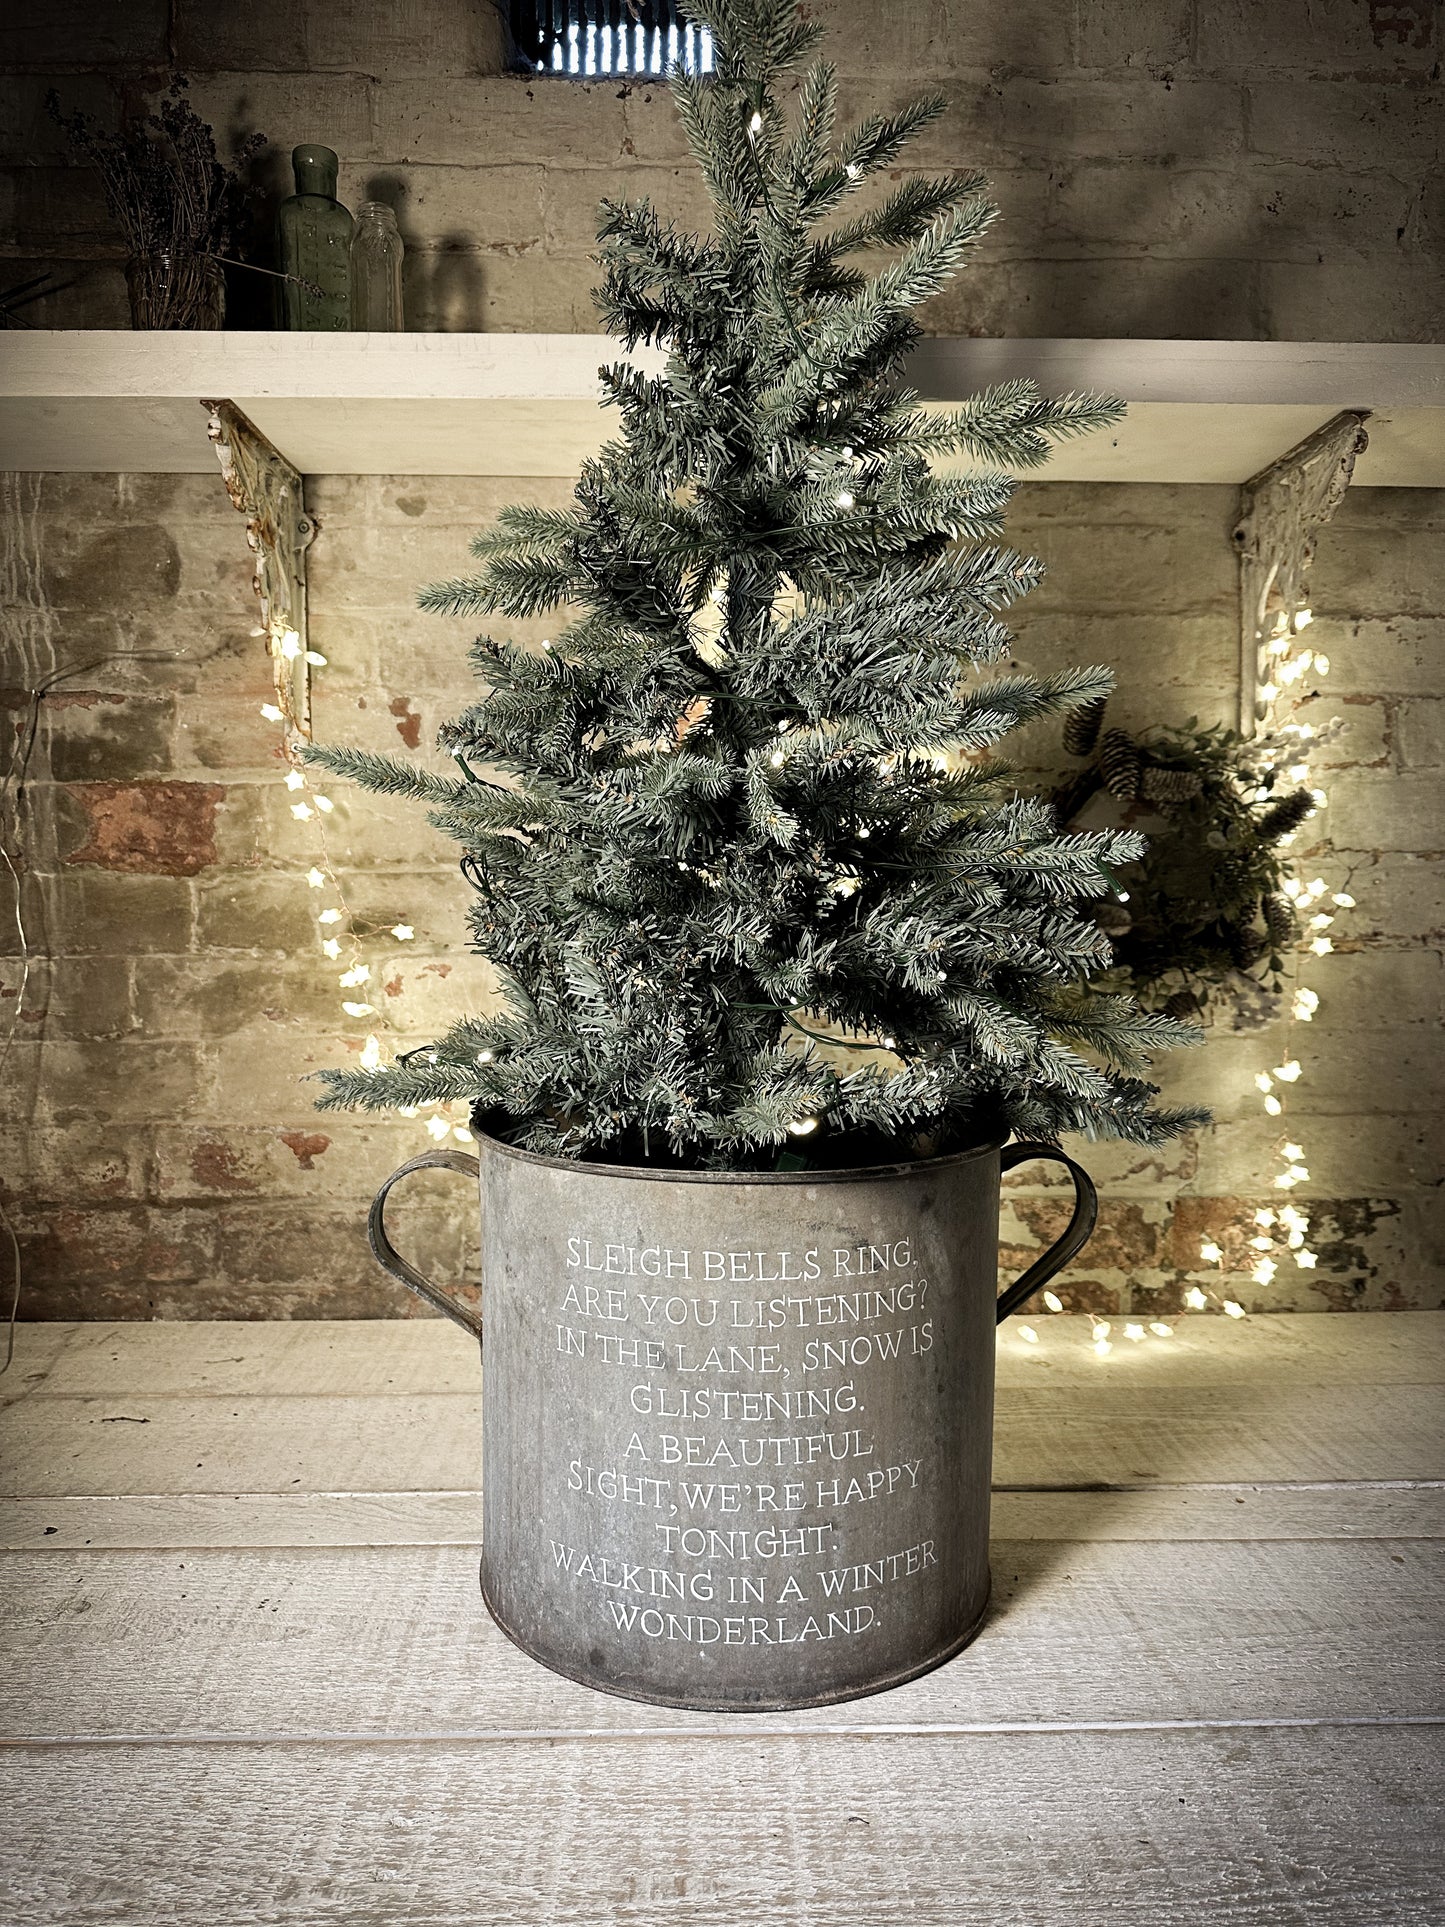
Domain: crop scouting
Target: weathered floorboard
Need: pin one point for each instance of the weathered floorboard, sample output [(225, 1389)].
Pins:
[(396, 1641), (1349, 1510), (1146, 1434), (323, 1358), (1245, 1827)]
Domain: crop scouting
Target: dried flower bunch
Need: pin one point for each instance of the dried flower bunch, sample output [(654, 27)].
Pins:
[(164, 182)]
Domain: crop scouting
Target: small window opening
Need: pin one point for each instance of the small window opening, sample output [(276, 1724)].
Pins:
[(593, 38)]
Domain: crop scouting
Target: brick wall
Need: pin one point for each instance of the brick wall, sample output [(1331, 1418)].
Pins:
[(160, 1152), (1231, 168), (1165, 167)]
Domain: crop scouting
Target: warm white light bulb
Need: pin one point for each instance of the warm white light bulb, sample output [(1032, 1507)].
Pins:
[(1028, 1334), (331, 948), (1053, 1301), (272, 713), (316, 879), (1195, 1298), (295, 780), (371, 1054), (800, 1127), (1273, 1107), (755, 125), (1233, 1310), (329, 916), (1210, 1252), (1160, 1329)]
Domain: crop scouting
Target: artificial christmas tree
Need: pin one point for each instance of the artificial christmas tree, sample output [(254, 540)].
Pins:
[(740, 813), (785, 958)]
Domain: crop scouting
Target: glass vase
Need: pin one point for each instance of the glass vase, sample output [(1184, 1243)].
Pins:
[(314, 232), (175, 290), (376, 257)]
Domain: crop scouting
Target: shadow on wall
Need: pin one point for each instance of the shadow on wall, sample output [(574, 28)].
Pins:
[(443, 281)]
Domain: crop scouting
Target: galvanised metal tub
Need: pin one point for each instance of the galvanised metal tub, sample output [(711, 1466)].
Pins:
[(737, 1429)]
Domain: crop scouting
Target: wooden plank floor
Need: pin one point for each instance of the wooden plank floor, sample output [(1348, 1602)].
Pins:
[(248, 1678)]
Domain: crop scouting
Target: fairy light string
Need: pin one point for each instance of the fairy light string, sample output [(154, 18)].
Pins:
[(337, 942), (1280, 1229)]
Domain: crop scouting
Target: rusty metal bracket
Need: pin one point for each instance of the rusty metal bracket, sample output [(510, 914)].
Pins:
[(1281, 512), (270, 493)]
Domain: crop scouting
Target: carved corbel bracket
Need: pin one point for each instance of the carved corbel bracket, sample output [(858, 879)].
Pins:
[(1281, 512), (269, 492)]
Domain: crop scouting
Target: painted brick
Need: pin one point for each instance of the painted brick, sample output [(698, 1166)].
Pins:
[(485, 120), (1359, 574), (1384, 655), (1050, 122), (110, 1262), (1394, 1154), (1336, 124), (572, 196), (1406, 811), (102, 913), (938, 38), (1111, 292), (455, 209), (84, 1163), (1118, 34), (112, 1080), (1285, 214), (1292, 38), (80, 33), (1421, 733), (68, 998), (267, 914), (1402, 897), (403, 38)]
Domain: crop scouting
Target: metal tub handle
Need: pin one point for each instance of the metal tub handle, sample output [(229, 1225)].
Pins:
[(390, 1259), (1077, 1233)]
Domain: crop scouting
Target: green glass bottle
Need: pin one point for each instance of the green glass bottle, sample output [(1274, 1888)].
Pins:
[(315, 245)]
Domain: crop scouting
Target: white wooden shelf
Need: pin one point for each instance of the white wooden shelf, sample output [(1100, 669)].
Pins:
[(517, 404)]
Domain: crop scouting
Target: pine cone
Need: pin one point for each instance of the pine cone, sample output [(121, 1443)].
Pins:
[(1120, 765), (1170, 785), (1279, 920), (1081, 726), (1285, 815), (1246, 944), (1182, 1004)]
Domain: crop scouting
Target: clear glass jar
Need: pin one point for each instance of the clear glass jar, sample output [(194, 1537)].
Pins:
[(175, 290), (315, 236), (376, 256)]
